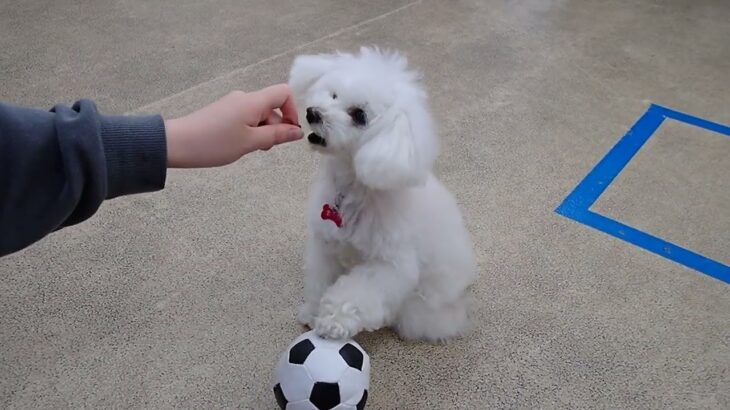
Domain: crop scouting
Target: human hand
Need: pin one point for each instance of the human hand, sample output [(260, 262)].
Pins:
[(239, 123)]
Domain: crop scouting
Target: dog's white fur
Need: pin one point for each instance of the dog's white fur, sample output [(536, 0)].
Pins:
[(403, 257)]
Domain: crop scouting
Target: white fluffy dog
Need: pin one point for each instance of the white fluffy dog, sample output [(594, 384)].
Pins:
[(386, 242)]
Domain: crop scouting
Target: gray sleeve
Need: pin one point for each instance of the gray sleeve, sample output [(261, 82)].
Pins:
[(57, 167)]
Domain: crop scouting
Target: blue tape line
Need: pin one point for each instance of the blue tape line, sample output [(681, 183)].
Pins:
[(691, 120), (577, 205)]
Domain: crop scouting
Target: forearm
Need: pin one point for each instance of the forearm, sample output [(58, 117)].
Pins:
[(57, 167)]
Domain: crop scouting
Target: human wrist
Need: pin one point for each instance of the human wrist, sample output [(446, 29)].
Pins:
[(177, 137)]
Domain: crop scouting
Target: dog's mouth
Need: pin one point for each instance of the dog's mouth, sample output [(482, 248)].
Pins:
[(315, 139)]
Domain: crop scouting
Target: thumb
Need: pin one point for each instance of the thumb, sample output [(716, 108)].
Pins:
[(266, 136)]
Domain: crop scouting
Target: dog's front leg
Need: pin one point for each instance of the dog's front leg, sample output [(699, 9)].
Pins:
[(321, 269), (367, 298)]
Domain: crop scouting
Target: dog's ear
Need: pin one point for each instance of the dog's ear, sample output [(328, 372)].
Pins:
[(400, 156), (306, 70)]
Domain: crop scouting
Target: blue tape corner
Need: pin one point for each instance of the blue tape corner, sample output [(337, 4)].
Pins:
[(577, 205)]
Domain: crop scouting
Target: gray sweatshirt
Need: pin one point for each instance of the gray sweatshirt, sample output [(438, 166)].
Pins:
[(57, 167)]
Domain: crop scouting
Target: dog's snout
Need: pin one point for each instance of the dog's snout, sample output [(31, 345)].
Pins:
[(316, 140), (313, 115)]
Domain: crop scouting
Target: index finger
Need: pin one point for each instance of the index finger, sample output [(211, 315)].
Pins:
[(280, 96)]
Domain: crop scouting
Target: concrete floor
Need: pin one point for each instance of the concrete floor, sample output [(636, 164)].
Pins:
[(184, 298)]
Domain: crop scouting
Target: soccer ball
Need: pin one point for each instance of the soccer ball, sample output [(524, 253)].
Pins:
[(320, 374)]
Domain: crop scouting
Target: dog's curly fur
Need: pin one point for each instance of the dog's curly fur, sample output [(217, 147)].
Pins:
[(403, 257)]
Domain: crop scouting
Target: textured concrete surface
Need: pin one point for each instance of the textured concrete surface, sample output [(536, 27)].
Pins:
[(677, 188), (184, 298)]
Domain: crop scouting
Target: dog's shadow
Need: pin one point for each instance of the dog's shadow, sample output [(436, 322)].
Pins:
[(413, 374)]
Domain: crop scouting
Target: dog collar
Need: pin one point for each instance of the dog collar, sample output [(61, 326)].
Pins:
[(332, 212)]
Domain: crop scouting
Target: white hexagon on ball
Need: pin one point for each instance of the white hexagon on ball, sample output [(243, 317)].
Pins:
[(319, 374)]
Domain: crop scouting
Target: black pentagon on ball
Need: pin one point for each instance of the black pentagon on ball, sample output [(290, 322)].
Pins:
[(300, 351), (280, 399), (325, 396), (352, 355), (363, 400)]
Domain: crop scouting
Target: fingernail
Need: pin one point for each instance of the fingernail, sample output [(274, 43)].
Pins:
[(295, 134), (288, 121)]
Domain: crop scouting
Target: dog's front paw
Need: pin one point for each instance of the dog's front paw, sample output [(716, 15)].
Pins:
[(337, 321), (306, 314)]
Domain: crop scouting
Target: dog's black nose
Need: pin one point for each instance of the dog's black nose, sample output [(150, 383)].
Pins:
[(313, 116), (317, 140)]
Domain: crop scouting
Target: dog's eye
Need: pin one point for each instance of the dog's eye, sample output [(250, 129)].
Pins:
[(358, 116), (334, 96)]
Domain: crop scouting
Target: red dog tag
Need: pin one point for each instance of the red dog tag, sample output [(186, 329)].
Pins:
[(329, 213)]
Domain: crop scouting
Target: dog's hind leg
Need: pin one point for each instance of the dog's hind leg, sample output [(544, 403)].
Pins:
[(417, 320)]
